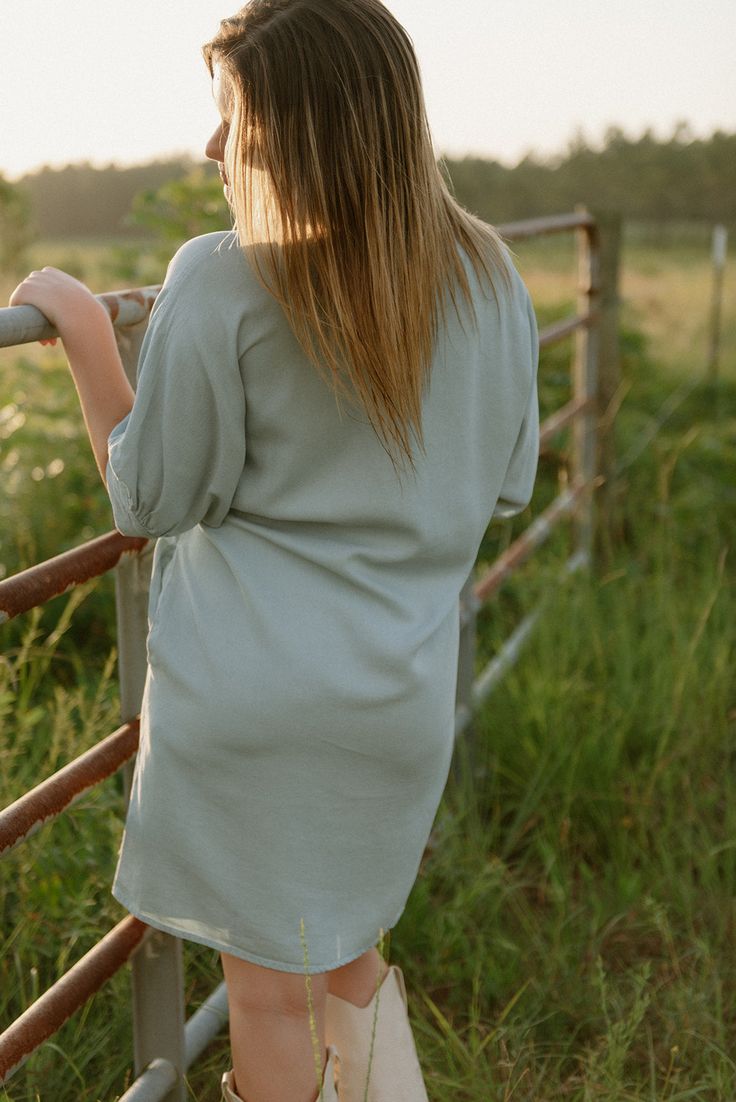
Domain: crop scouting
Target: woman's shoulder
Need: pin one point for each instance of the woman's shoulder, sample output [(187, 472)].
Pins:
[(501, 263), (209, 253), (505, 299), (212, 268)]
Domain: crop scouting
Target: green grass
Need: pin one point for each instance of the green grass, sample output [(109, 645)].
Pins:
[(571, 932)]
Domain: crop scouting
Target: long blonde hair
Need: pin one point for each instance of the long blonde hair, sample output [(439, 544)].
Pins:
[(335, 185)]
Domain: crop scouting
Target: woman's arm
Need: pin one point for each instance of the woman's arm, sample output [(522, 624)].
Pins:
[(86, 332)]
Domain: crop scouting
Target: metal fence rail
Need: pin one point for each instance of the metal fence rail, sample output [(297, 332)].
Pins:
[(536, 534), (164, 1044), (25, 324), (49, 1012), (55, 794), (38, 584)]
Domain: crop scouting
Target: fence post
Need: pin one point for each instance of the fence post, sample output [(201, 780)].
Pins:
[(464, 756), (720, 241), (157, 970), (609, 390), (585, 382)]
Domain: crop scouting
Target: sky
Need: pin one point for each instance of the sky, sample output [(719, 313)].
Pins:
[(101, 81)]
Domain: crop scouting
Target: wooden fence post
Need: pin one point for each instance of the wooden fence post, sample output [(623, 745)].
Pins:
[(584, 385), (609, 390), (464, 759)]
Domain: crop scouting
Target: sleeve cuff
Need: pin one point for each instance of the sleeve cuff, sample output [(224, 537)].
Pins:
[(123, 510)]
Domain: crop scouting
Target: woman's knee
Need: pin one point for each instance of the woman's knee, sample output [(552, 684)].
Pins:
[(253, 988)]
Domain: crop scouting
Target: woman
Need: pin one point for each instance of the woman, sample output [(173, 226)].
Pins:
[(332, 401)]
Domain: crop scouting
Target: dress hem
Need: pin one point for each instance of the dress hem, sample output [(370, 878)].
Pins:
[(244, 954)]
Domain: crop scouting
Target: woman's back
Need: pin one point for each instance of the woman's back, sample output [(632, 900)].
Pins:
[(257, 437)]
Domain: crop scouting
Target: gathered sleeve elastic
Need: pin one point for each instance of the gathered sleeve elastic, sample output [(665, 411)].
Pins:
[(176, 459), (518, 484)]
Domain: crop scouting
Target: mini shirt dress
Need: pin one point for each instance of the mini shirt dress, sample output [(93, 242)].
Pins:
[(297, 722)]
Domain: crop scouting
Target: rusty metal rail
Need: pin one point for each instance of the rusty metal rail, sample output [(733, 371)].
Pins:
[(557, 330), (511, 649), (532, 537), (24, 324), (553, 223), (55, 794), (561, 418), (164, 1044), (38, 584), (49, 1012)]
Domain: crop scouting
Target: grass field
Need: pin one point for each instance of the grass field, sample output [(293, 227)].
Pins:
[(571, 933)]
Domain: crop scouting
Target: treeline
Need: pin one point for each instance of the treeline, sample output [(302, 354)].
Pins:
[(80, 200), (679, 179), (647, 179)]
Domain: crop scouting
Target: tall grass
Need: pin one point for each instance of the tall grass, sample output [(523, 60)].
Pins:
[(571, 931)]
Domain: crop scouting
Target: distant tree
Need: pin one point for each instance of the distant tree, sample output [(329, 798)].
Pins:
[(181, 209), (80, 200), (682, 132), (169, 214), (15, 228)]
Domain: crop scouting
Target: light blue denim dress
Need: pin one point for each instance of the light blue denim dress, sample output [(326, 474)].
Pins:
[(297, 721)]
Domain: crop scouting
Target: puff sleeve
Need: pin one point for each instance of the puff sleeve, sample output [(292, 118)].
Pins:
[(518, 483), (176, 459)]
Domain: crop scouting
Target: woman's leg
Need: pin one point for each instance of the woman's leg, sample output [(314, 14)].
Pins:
[(357, 982), (270, 1032)]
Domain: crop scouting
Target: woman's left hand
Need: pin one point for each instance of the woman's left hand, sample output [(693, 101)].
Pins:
[(62, 299)]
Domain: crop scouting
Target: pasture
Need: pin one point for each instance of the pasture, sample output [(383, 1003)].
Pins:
[(571, 933)]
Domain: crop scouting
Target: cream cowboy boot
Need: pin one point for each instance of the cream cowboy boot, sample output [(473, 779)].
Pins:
[(394, 1074), (328, 1093)]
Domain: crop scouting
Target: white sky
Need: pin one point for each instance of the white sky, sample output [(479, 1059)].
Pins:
[(102, 81)]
